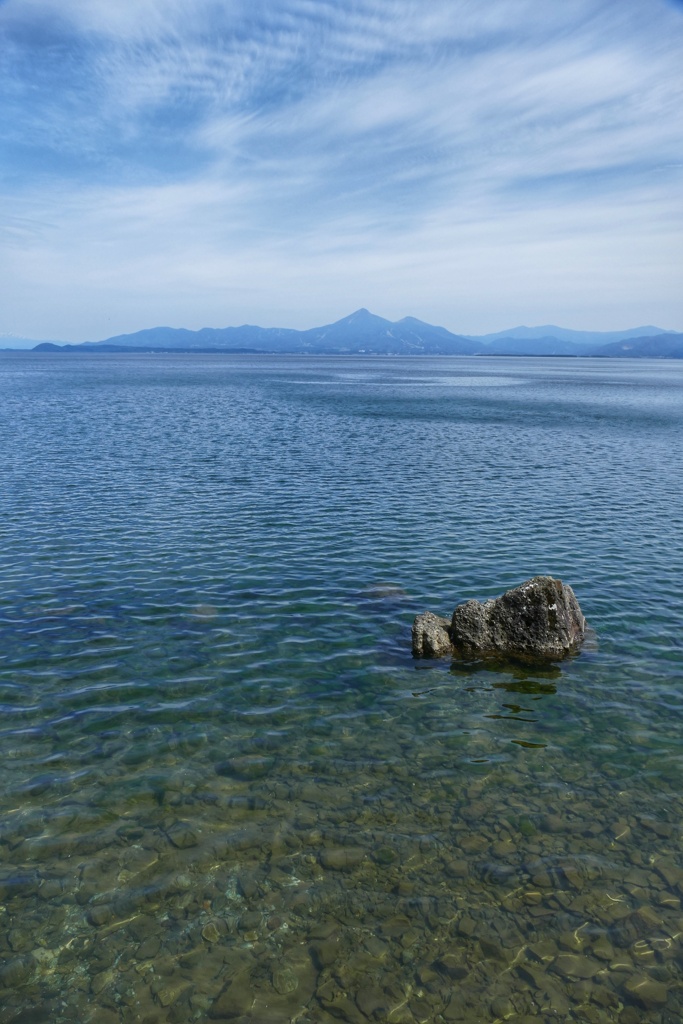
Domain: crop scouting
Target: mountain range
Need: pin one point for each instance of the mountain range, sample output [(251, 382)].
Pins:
[(365, 333)]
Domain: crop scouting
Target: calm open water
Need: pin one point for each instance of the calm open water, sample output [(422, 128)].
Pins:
[(227, 791)]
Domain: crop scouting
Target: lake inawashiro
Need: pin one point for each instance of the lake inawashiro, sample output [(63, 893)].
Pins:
[(227, 790)]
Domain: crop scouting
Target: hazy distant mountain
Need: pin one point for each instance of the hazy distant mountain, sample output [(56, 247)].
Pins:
[(363, 332), (662, 346), (10, 342), (255, 338), (545, 346), (565, 334), (360, 332)]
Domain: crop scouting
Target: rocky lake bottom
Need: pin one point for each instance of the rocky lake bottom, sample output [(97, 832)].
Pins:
[(227, 790)]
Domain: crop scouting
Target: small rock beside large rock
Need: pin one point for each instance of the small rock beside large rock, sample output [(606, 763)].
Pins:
[(431, 636), (539, 619)]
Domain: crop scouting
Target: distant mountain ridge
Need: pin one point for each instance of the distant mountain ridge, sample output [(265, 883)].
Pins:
[(565, 334), (363, 332), (662, 346)]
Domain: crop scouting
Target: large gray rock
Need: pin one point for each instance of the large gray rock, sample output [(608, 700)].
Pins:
[(539, 619)]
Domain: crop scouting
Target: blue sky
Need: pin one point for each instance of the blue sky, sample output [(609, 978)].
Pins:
[(283, 162)]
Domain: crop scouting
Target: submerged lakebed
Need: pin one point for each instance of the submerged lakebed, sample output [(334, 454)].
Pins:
[(227, 790)]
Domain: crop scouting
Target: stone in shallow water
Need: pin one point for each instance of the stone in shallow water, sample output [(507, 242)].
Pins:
[(602, 948), (573, 965), (431, 637), (16, 972), (342, 858), (210, 933), (540, 619), (100, 981), (531, 974), (325, 952), (457, 868), (100, 915), (451, 965), (285, 981), (372, 1000), (247, 767), (385, 856), (149, 948), (384, 591), (143, 927), (235, 1000), (646, 992), (502, 1007), (167, 995), (182, 835), (249, 920), (376, 948), (570, 941)]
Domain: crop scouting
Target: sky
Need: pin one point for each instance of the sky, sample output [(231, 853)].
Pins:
[(475, 163)]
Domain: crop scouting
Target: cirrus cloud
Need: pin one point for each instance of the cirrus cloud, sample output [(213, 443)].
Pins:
[(287, 161)]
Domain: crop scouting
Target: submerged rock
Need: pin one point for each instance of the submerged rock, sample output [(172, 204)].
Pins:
[(539, 619)]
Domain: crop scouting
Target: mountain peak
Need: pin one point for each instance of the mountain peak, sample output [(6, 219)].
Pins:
[(412, 320), (362, 319)]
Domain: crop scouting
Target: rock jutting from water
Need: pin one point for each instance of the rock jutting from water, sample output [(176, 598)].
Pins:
[(539, 619)]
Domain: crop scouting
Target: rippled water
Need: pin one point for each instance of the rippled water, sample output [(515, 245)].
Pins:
[(228, 792)]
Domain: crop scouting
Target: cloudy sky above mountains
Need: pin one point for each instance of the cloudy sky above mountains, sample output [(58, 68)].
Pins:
[(282, 162)]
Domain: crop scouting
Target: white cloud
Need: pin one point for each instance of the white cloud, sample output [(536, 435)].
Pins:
[(192, 158)]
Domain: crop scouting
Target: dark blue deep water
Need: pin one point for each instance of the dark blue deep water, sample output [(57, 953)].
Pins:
[(227, 790)]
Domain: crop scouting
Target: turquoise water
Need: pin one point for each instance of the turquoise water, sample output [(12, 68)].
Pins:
[(227, 791)]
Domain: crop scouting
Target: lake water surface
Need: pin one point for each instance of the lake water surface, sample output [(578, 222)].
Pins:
[(227, 790)]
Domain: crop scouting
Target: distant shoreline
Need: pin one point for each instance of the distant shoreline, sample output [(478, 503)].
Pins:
[(66, 350)]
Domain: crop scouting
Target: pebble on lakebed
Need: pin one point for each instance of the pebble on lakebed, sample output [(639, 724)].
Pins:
[(377, 886), (541, 618)]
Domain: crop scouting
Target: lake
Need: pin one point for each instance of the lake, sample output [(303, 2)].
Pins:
[(228, 791)]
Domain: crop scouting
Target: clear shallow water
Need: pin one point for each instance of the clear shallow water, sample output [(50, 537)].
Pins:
[(228, 792)]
